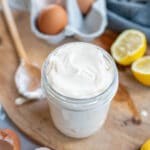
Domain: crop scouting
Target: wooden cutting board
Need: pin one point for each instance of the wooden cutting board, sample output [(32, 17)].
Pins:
[(33, 119)]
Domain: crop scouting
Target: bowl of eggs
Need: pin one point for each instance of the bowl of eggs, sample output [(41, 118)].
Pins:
[(55, 20)]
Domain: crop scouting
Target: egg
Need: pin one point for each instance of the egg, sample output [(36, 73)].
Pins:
[(52, 19), (85, 5)]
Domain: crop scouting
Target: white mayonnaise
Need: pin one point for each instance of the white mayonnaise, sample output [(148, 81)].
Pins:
[(79, 70)]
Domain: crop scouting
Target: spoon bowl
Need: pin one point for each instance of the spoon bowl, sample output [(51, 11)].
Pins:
[(28, 75)]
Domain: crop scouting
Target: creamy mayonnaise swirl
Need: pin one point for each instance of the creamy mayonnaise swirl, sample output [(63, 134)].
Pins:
[(79, 70)]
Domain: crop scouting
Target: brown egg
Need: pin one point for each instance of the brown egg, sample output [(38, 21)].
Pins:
[(52, 19), (85, 5)]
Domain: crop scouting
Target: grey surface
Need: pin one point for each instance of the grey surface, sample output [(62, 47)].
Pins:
[(124, 14), (5, 122)]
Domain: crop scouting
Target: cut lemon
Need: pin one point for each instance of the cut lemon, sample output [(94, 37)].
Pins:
[(129, 46), (146, 145), (141, 70)]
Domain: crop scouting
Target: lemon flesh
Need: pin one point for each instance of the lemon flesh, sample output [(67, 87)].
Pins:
[(128, 47), (141, 70)]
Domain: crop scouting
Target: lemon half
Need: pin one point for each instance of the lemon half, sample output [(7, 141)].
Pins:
[(146, 145), (141, 70), (129, 46)]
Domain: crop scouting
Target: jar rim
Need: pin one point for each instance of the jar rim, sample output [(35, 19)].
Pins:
[(72, 100)]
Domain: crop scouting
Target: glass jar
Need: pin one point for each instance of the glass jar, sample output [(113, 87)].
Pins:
[(79, 118)]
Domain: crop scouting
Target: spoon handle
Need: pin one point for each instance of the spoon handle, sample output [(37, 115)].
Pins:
[(13, 30)]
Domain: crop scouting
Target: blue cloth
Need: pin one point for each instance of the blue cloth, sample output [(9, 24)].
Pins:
[(125, 14)]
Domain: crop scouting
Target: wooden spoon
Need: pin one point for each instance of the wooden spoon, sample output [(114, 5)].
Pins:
[(33, 71)]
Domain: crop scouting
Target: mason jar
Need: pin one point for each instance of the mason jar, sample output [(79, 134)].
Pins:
[(79, 118)]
